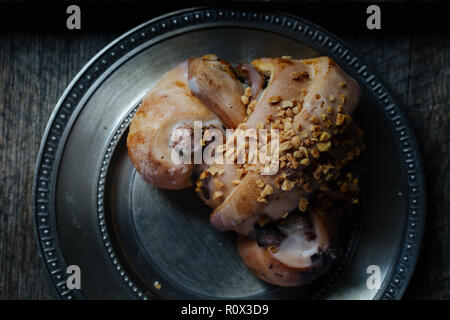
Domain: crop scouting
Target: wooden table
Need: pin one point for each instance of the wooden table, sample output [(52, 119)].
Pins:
[(35, 68)]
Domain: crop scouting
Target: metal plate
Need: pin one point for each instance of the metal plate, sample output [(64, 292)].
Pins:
[(91, 209)]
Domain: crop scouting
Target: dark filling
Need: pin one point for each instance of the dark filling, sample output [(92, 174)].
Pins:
[(269, 235), (305, 225)]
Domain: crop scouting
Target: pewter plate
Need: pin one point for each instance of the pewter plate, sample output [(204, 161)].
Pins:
[(92, 209)]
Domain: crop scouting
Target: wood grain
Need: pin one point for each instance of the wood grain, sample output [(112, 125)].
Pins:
[(36, 67)]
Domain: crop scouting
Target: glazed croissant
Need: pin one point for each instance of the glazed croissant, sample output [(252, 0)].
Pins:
[(309, 102)]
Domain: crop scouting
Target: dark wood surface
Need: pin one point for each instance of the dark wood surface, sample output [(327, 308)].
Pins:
[(36, 67)]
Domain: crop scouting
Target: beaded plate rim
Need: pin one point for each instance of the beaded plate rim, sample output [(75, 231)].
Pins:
[(280, 22)]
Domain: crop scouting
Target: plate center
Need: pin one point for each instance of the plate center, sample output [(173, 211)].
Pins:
[(180, 242)]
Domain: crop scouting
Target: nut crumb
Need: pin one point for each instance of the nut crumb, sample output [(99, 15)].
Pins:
[(217, 195), (157, 285), (303, 204), (274, 99)]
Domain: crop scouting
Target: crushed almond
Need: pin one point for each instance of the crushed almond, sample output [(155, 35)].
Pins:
[(303, 204), (315, 153), (324, 136), (287, 104), (295, 142), (248, 92), (287, 185), (217, 195), (340, 119), (236, 181), (210, 57), (245, 100), (157, 285), (259, 183), (324, 146), (304, 162), (267, 190), (332, 98), (274, 99)]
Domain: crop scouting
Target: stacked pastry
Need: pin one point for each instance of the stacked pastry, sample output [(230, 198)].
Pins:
[(287, 221)]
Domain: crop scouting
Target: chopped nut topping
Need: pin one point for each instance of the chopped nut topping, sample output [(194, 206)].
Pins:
[(245, 100), (251, 107), (295, 142), (303, 204), (274, 99), (286, 104), (217, 195), (315, 153), (287, 126), (298, 154), (285, 146), (236, 181), (248, 92), (343, 97), (259, 183), (314, 119), (287, 185), (342, 84), (157, 285), (210, 57), (267, 190), (243, 126), (332, 98), (323, 117), (329, 110), (306, 115), (213, 169), (324, 136), (284, 216), (261, 199), (340, 119), (324, 146), (304, 162), (317, 172)]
